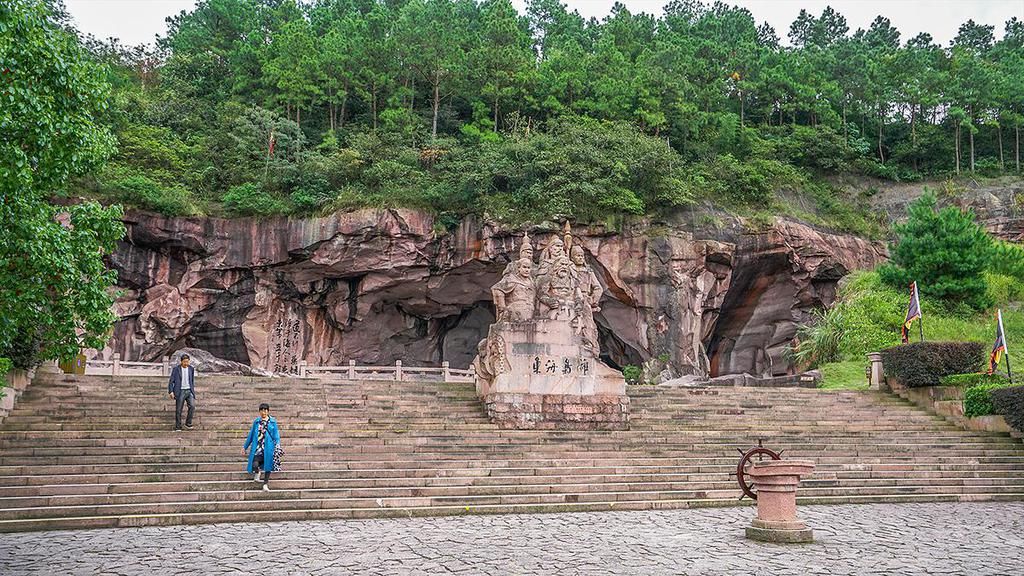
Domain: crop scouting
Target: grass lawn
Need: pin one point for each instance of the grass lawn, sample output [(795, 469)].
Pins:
[(872, 314), (848, 375)]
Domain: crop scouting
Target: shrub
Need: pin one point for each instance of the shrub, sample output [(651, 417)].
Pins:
[(973, 379), (1009, 401), (250, 200), (978, 399), (311, 196), (926, 363), (144, 192), (1004, 289), (1008, 259), (821, 148), (632, 374), (820, 341)]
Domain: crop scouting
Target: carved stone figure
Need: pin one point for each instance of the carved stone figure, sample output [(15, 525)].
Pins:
[(590, 288), (557, 293), (525, 253), (491, 359), (588, 293), (515, 294)]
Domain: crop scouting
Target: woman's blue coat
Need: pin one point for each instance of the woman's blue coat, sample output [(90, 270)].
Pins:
[(270, 441)]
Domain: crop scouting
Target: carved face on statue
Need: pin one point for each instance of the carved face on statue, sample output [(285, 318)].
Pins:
[(577, 256), (525, 268), (555, 248)]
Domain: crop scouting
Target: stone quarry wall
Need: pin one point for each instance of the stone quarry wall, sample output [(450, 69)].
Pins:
[(380, 286)]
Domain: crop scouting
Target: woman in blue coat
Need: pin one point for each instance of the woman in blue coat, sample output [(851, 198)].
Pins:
[(263, 439)]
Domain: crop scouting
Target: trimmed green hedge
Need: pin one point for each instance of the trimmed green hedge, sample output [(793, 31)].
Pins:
[(1009, 401), (926, 363), (973, 379)]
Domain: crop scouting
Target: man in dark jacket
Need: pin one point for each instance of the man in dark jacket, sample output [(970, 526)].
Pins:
[(182, 387)]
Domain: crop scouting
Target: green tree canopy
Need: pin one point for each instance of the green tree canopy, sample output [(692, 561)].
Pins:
[(54, 284)]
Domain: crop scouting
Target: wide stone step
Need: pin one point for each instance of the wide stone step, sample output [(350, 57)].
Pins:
[(135, 520), (450, 487), (22, 475), (257, 500)]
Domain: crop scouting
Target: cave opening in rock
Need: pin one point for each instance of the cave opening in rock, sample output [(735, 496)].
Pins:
[(615, 352), (756, 322)]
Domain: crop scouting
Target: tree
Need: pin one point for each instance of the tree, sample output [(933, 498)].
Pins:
[(974, 75), (294, 67), (431, 36), (54, 296), (945, 251), (503, 56)]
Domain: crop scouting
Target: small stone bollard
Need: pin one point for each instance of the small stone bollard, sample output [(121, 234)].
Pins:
[(776, 482), (876, 377)]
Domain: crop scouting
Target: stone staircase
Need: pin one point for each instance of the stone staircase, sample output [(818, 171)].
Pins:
[(81, 452)]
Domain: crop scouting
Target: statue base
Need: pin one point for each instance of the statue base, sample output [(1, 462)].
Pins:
[(539, 375), (558, 411)]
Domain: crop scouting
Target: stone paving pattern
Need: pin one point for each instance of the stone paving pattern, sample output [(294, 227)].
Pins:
[(968, 538)]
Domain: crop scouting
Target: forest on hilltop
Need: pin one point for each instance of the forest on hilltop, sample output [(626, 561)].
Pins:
[(459, 106)]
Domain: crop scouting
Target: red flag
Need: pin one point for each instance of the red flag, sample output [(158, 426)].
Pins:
[(913, 312), (999, 348)]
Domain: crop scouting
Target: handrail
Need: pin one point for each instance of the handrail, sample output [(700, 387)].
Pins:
[(397, 373)]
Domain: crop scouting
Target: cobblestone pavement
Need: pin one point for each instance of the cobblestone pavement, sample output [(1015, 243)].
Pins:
[(974, 539)]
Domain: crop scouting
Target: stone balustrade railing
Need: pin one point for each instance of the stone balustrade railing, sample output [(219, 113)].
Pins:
[(117, 367), (398, 372)]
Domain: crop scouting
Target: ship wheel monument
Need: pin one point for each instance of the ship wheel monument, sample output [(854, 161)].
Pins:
[(539, 366)]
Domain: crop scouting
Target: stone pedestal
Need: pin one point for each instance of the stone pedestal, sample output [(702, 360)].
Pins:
[(536, 376), (49, 367), (776, 482)]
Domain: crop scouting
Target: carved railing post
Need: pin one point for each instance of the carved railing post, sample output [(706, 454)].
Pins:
[(302, 368), (446, 372), (398, 370), (115, 368), (351, 369), (165, 366)]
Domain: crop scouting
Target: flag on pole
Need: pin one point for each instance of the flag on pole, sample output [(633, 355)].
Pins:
[(270, 144), (999, 348), (913, 312)]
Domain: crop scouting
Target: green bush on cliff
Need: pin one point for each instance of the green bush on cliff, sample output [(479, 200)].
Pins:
[(250, 199)]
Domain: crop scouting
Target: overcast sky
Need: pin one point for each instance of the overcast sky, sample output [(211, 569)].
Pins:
[(140, 21)]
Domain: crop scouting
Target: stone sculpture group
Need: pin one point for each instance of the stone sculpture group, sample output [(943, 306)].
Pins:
[(544, 344)]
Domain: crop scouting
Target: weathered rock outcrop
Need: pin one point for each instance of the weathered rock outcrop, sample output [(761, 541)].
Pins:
[(379, 286), (998, 203)]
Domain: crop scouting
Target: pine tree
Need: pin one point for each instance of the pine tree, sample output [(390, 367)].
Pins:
[(945, 251)]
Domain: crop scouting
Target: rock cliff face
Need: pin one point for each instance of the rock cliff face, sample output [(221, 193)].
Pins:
[(380, 286)]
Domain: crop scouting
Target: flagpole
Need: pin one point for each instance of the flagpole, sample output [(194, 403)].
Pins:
[(920, 314), (270, 151), (1006, 349)]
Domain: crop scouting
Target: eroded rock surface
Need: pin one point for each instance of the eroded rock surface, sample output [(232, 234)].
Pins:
[(380, 286)]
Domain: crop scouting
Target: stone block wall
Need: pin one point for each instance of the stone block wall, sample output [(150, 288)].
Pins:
[(558, 411)]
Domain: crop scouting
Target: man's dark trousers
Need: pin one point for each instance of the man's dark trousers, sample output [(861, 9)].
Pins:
[(184, 397)]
